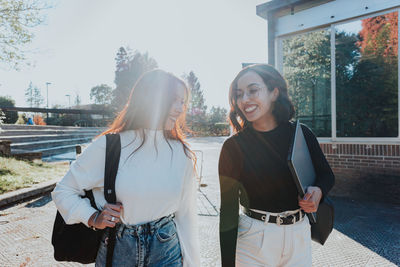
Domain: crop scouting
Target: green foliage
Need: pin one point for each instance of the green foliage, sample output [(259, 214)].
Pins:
[(102, 94), (17, 19), (2, 117), (16, 174), (197, 105), (10, 117), (129, 67), (217, 121), (366, 79), (307, 70), (220, 128), (196, 115), (217, 114)]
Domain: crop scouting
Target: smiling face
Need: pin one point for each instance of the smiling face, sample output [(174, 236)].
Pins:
[(254, 99), (177, 108)]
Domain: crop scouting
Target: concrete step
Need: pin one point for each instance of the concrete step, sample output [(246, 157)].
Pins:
[(44, 127), (33, 146), (47, 152), (34, 138), (46, 132), (48, 140)]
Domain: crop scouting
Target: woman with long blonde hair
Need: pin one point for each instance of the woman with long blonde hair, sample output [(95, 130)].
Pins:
[(156, 217)]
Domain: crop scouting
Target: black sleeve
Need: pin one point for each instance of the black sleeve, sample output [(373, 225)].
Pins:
[(325, 177), (228, 176)]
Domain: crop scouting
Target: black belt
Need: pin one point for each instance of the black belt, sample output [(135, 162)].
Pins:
[(290, 219)]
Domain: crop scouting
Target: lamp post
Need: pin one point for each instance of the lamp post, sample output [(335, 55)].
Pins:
[(47, 102), (69, 100)]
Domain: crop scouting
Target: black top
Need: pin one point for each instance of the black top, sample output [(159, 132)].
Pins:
[(253, 170)]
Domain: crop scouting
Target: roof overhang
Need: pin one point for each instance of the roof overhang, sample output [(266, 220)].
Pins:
[(279, 8)]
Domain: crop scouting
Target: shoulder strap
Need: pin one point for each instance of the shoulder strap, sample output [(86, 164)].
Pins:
[(113, 152)]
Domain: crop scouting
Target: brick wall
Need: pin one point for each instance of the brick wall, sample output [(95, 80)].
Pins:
[(359, 159)]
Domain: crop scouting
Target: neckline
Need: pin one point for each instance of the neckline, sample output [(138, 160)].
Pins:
[(279, 126)]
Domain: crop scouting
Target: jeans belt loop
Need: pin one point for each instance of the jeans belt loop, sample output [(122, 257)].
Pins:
[(121, 229), (266, 218), (294, 218)]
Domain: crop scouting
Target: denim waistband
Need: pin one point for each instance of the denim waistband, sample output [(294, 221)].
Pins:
[(145, 228)]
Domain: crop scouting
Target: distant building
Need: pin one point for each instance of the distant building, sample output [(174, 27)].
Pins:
[(340, 59)]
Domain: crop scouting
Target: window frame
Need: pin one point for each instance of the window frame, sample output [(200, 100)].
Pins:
[(332, 27)]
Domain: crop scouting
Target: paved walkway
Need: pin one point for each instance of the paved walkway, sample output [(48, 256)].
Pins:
[(365, 234)]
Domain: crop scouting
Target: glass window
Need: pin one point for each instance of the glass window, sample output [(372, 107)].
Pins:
[(307, 69), (366, 53)]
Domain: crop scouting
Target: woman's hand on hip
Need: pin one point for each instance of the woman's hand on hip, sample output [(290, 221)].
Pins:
[(108, 217), (311, 199)]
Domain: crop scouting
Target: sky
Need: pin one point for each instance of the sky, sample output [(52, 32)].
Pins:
[(75, 48)]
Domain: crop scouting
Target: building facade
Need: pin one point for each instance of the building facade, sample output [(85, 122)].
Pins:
[(340, 59)]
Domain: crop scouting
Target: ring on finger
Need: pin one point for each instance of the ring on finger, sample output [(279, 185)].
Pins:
[(112, 218)]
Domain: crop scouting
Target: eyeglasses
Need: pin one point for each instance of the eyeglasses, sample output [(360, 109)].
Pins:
[(251, 93)]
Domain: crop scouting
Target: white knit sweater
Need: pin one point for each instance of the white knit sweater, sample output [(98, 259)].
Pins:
[(153, 182)]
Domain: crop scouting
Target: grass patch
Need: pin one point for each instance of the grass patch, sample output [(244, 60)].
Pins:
[(16, 174)]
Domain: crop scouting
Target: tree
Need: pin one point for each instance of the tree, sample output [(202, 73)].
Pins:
[(102, 94), (307, 70), (9, 116), (368, 85), (17, 19), (379, 36), (196, 112), (217, 121), (29, 94), (217, 114), (129, 67), (33, 97), (197, 105)]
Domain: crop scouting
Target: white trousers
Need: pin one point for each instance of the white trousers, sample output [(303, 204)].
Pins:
[(269, 244)]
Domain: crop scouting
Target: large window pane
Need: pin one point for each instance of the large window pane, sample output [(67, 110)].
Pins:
[(367, 77), (307, 69)]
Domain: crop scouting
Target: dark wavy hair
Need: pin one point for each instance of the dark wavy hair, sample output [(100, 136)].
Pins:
[(282, 110)]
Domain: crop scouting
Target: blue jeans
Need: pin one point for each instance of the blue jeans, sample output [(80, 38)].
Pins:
[(154, 244)]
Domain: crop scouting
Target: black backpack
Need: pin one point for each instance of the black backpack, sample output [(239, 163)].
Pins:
[(77, 242)]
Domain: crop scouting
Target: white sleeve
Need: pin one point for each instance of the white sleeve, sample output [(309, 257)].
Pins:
[(187, 221), (86, 173)]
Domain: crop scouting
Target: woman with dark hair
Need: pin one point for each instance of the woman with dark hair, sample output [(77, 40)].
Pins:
[(155, 217), (271, 229)]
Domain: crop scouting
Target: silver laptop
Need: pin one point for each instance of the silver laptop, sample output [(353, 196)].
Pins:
[(300, 164)]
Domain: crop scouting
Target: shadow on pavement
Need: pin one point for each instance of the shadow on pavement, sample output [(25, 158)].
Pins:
[(40, 202), (368, 211)]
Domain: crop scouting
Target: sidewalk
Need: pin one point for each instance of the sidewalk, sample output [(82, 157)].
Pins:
[(366, 233)]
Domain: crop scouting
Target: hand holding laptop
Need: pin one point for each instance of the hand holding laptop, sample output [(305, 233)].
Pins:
[(310, 201)]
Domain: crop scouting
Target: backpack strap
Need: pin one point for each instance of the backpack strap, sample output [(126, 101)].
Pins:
[(113, 152)]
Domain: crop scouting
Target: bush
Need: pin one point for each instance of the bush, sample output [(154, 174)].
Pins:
[(21, 119), (2, 117), (220, 128), (38, 120), (10, 116)]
